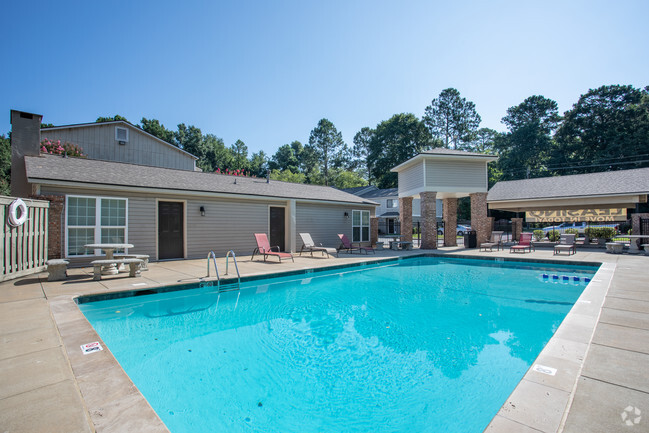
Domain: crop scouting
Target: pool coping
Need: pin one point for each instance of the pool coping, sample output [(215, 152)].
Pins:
[(565, 352)]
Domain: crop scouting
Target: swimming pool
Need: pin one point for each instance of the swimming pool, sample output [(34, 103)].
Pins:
[(421, 344)]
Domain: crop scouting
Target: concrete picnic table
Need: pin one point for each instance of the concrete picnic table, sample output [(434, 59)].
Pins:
[(633, 245), (109, 249)]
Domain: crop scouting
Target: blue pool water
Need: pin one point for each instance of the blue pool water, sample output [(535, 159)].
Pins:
[(422, 345)]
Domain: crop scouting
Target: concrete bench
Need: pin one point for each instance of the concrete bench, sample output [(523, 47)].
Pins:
[(143, 257), (614, 247), (57, 269), (395, 245), (646, 249), (133, 264)]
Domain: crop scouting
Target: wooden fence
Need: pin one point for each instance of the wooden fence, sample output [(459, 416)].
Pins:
[(24, 248)]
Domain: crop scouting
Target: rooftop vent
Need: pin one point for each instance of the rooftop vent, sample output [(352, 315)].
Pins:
[(121, 135)]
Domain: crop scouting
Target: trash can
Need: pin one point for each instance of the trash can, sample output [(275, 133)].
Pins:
[(470, 239)]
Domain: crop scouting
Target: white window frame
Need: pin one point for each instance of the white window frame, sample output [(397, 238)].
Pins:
[(361, 226), (97, 227), (116, 135), (390, 203)]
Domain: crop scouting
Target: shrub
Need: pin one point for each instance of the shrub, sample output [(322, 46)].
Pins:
[(607, 233), (572, 231), (554, 235), (538, 235), (56, 148), (591, 232)]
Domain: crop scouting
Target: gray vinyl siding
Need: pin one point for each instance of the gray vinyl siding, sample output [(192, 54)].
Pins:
[(98, 142), (411, 178), (457, 174), (324, 222), (227, 225)]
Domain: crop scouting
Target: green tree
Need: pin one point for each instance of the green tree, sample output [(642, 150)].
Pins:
[(258, 164), (190, 139), (155, 128), (395, 141), (608, 128), (342, 179), (215, 154), (361, 149), (452, 119), (111, 119), (327, 143), (286, 159), (5, 165), (239, 152), (525, 149), (288, 176)]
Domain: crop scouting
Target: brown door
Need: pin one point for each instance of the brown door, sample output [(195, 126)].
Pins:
[(277, 227), (170, 230)]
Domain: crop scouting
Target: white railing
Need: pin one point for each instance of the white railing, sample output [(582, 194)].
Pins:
[(24, 247)]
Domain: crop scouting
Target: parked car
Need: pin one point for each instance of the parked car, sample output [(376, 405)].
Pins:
[(459, 231), (580, 226)]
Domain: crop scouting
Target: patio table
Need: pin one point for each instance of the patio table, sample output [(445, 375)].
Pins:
[(109, 249), (633, 245)]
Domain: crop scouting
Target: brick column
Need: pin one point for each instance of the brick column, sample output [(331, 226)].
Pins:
[(405, 217), (635, 222), (449, 213), (428, 220), (55, 225), (517, 228), (374, 230), (479, 221)]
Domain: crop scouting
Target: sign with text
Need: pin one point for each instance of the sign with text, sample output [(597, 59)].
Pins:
[(576, 215), (91, 347)]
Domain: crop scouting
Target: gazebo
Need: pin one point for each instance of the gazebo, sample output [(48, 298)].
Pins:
[(447, 174)]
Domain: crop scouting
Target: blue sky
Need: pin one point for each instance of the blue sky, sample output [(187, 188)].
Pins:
[(266, 72)]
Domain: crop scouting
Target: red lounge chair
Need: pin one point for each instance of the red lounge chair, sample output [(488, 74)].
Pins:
[(349, 247), (263, 247), (524, 242)]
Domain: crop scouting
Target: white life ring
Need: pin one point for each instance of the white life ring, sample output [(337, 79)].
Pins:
[(14, 219)]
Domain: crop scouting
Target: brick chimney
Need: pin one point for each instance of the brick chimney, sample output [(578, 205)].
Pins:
[(25, 141)]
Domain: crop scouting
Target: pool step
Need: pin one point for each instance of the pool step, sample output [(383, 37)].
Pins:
[(229, 287)]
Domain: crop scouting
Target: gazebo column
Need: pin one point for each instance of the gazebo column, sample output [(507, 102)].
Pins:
[(479, 220), (428, 220), (405, 217), (517, 228), (449, 211), (374, 230)]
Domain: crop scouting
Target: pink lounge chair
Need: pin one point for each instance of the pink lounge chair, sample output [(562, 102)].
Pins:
[(349, 247), (263, 247), (524, 242)]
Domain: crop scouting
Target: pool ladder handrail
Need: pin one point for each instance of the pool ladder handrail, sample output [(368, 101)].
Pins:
[(212, 254), (216, 268), (227, 262)]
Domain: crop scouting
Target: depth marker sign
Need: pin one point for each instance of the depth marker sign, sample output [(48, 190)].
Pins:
[(91, 347)]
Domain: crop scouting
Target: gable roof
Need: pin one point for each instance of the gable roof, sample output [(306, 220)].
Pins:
[(124, 123), (443, 154), (618, 182), (55, 170)]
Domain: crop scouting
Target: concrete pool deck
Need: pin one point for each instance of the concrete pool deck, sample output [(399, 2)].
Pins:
[(601, 355)]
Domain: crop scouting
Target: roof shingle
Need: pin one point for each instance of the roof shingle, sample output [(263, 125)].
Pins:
[(95, 172)]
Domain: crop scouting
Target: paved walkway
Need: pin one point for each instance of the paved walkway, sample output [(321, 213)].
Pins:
[(601, 354)]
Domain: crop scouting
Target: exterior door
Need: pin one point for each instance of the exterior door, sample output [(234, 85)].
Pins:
[(170, 230), (277, 227)]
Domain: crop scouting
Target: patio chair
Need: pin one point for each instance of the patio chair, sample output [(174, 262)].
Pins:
[(350, 248), (263, 247), (566, 243), (309, 246), (524, 243), (495, 241)]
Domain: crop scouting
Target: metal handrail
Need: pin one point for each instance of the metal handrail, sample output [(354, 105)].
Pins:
[(227, 260), (216, 268)]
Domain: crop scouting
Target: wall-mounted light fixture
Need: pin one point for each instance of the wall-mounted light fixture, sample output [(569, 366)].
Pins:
[(202, 209), (346, 214)]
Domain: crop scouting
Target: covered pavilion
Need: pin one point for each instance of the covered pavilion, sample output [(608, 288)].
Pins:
[(446, 174)]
